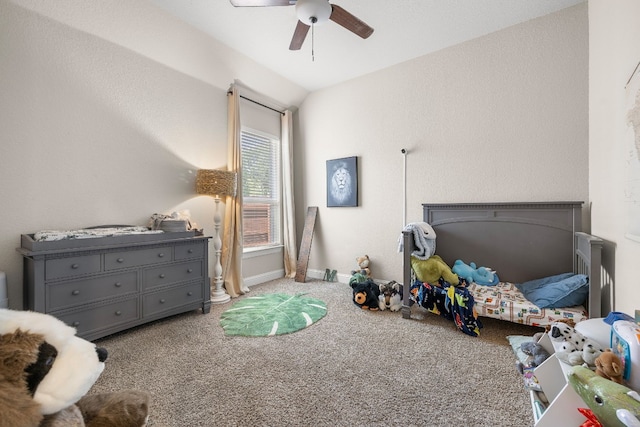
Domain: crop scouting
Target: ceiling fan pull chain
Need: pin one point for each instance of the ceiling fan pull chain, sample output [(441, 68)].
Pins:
[(313, 26), (313, 53)]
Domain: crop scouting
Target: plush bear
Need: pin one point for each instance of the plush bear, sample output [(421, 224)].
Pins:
[(363, 266), (366, 295), (472, 274), (609, 366), (45, 372), (390, 296), (430, 270)]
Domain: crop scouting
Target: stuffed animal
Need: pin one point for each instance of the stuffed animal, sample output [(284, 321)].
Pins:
[(609, 366), (561, 331), (390, 296), (605, 398), (366, 295), (357, 278), (569, 354), (472, 274), (430, 270), (363, 266), (536, 354), (45, 372), (591, 351)]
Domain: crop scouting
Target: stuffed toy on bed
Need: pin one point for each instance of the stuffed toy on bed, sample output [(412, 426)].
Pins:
[(483, 276), (432, 269), (45, 372)]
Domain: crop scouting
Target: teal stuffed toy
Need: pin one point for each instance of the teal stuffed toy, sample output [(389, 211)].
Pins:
[(480, 275)]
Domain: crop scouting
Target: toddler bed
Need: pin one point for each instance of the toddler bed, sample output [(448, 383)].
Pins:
[(521, 242)]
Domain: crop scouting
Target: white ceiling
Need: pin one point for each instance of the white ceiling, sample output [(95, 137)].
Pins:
[(404, 29)]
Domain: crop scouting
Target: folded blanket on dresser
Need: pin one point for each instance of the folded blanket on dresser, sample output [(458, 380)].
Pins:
[(88, 233), (424, 237)]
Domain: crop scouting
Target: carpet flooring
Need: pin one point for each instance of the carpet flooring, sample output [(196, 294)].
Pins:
[(351, 368)]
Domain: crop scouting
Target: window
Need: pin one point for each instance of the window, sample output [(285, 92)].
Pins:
[(261, 194)]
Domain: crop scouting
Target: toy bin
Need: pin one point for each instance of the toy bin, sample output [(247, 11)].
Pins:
[(625, 342)]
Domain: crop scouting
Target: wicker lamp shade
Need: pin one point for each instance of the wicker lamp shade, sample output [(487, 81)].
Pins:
[(213, 182)]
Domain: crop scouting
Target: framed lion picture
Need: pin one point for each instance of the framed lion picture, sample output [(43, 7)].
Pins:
[(342, 182)]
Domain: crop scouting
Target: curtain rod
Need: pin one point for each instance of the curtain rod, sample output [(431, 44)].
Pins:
[(258, 103)]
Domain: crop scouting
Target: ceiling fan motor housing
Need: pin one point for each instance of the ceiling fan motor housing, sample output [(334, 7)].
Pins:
[(313, 11)]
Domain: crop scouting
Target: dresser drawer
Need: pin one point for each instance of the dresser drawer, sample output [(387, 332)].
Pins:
[(195, 250), (91, 319), (172, 273), (70, 294), (158, 302), (125, 259), (58, 268)]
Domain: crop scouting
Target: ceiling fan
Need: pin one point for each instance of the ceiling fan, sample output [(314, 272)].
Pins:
[(312, 12)]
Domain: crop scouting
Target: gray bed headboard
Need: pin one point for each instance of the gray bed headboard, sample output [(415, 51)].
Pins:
[(521, 241)]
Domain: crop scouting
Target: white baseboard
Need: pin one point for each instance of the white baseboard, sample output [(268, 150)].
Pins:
[(264, 277), (277, 274), (319, 274)]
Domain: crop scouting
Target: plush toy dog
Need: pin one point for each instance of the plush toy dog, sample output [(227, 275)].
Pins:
[(390, 296), (561, 331), (45, 370), (365, 295)]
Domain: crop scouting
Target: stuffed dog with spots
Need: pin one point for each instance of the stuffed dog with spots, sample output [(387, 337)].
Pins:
[(561, 331)]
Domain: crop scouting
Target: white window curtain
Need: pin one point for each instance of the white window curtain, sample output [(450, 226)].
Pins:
[(232, 243), (289, 225)]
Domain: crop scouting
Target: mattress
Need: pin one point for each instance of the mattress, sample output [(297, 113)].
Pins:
[(505, 302)]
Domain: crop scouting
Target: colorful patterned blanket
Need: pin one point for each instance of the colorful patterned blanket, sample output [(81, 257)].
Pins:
[(450, 302)]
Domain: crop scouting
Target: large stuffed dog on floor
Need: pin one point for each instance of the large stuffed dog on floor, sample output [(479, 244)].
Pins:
[(45, 372)]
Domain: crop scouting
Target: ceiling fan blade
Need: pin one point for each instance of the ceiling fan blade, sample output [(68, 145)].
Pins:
[(259, 3), (299, 35), (350, 22)]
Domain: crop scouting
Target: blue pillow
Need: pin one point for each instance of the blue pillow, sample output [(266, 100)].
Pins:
[(562, 290)]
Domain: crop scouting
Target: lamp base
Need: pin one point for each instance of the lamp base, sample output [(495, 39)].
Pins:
[(219, 297)]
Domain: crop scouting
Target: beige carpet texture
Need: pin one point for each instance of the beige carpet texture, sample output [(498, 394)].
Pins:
[(350, 368)]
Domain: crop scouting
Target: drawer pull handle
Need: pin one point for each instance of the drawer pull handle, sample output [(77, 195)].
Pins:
[(76, 292), (189, 270), (120, 260), (189, 293), (75, 266), (161, 276), (161, 254), (162, 301), (118, 284), (118, 313), (75, 324)]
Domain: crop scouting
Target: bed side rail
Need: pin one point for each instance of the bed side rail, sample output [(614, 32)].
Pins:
[(408, 244), (588, 261)]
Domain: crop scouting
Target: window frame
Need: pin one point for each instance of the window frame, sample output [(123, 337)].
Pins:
[(278, 203)]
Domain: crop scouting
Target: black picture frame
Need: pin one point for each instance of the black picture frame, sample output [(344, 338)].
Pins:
[(342, 182)]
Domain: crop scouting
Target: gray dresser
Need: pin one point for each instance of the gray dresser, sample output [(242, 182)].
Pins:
[(114, 283)]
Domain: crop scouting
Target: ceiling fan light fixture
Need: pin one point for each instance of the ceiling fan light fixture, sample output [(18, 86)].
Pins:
[(313, 11)]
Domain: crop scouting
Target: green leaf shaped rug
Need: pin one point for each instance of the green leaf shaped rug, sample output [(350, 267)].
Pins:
[(271, 314)]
